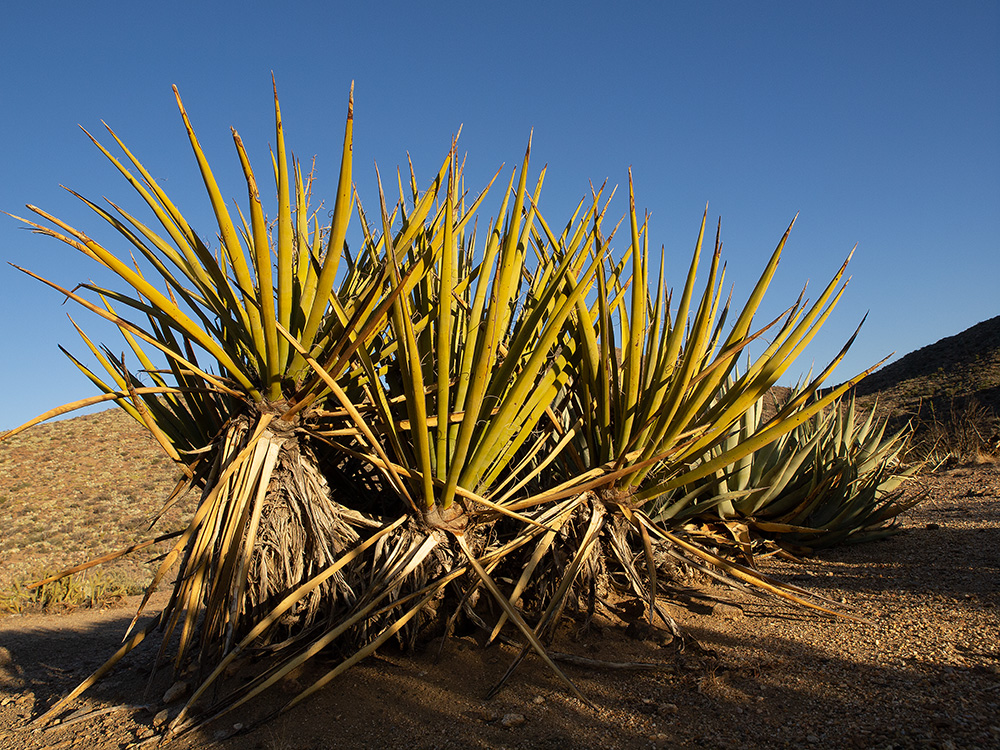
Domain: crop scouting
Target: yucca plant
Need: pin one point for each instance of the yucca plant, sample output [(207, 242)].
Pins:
[(635, 419), (264, 308), (663, 401), (379, 438), (303, 367), (832, 480)]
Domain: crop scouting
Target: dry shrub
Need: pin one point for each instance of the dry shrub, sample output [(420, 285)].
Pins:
[(71, 592), (965, 432)]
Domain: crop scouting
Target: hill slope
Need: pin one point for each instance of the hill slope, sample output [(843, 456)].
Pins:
[(77, 488), (967, 363), (952, 380)]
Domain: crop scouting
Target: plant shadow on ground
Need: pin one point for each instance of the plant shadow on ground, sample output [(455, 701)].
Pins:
[(841, 570), (785, 693), (43, 657), (434, 698)]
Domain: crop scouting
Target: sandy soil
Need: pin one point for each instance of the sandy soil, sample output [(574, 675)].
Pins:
[(923, 672)]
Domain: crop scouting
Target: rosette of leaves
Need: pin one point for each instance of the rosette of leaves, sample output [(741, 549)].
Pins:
[(645, 398), (234, 340), (832, 480)]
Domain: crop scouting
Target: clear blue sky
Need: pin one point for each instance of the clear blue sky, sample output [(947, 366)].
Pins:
[(877, 121)]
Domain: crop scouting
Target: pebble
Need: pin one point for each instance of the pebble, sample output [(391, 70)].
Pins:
[(666, 709), (176, 691), (161, 718), (512, 720), (812, 739), (225, 734), (727, 611), (538, 700), (482, 715)]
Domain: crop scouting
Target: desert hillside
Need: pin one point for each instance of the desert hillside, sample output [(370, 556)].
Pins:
[(77, 488), (950, 381)]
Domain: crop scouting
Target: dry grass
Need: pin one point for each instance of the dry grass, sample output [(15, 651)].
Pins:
[(966, 432), (75, 489), (93, 589)]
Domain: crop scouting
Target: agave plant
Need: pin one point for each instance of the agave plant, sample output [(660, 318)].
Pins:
[(375, 439), (831, 480)]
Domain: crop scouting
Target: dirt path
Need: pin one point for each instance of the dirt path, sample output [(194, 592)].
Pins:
[(924, 673)]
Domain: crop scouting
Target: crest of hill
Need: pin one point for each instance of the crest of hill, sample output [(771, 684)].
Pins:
[(955, 370)]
